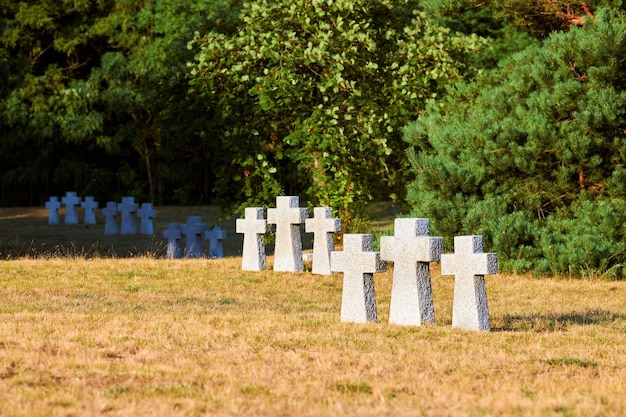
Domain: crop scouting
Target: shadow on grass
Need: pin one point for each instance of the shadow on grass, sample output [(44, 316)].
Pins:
[(553, 322)]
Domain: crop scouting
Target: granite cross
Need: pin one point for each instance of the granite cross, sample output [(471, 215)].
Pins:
[(146, 213), (89, 205), (253, 226), (193, 231), (128, 208), (110, 218), (71, 200), (323, 226), (215, 237), (53, 205), (469, 265), (411, 250), (358, 264), (287, 216), (173, 235)]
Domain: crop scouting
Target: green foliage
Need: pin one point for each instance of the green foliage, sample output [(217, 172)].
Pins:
[(93, 87), (529, 151), (537, 17), (309, 94), (486, 20)]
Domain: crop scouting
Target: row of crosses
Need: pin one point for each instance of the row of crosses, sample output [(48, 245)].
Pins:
[(194, 231), (411, 250), (71, 201), (127, 208), (287, 216)]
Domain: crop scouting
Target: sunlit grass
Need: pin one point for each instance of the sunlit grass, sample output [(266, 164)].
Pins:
[(147, 336), (87, 332)]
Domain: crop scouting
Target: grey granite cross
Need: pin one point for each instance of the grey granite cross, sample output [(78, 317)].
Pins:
[(128, 208), (253, 226), (323, 226), (287, 216), (193, 231), (89, 205), (411, 250), (173, 235), (146, 213), (71, 201), (110, 218), (53, 205), (215, 237), (358, 263), (469, 265)]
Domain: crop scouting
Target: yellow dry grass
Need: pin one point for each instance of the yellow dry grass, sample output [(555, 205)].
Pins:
[(152, 337)]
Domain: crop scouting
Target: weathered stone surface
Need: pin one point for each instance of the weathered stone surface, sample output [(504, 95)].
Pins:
[(146, 213), (71, 201), (89, 205), (110, 218), (53, 205), (215, 237), (128, 208), (253, 226), (193, 231), (323, 227), (469, 265), (358, 263), (411, 250), (173, 235), (287, 216)]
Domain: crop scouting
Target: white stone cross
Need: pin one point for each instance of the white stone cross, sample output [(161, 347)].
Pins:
[(110, 218), (215, 237), (253, 226), (71, 201), (193, 231), (128, 208), (173, 235), (358, 264), (53, 205), (323, 226), (146, 213), (411, 250), (287, 216), (89, 205), (469, 265)]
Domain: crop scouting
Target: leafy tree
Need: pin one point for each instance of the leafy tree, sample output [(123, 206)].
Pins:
[(539, 17), (532, 154), (309, 94), (90, 92)]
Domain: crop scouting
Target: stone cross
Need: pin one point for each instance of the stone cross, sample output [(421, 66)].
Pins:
[(146, 213), (358, 264), (253, 226), (193, 231), (71, 201), (469, 265), (89, 205), (53, 205), (411, 250), (215, 237), (110, 218), (323, 226), (128, 208), (173, 235), (287, 217)]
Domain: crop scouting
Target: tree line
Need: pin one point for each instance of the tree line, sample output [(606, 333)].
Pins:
[(504, 117)]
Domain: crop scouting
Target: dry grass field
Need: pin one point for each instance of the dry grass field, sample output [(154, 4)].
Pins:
[(85, 334)]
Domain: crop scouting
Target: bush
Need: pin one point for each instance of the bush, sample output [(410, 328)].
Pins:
[(527, 151)]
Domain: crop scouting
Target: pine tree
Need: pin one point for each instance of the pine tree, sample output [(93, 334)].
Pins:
[(532, 155)]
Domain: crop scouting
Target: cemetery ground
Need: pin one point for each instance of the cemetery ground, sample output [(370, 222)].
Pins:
[(86, 329)]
